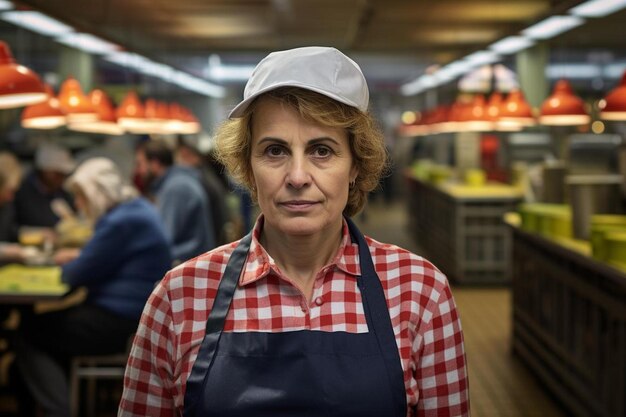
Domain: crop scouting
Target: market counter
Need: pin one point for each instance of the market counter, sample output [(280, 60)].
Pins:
[(460, 228), (569, 322)]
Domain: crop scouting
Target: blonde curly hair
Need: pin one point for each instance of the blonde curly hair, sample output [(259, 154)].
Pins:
[(233, 140)]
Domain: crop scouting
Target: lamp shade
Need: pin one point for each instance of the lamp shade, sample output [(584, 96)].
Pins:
[(131, 115), (182, 121), (515, 112), (19, 86), (106, 122), (75, 103), (45, 115), (613, 106), (563, 108), (476, 117)]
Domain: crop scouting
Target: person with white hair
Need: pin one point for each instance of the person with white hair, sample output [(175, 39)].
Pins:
[(119, 266)]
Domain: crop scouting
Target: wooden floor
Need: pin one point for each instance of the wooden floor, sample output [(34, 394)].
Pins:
[(500, 385)]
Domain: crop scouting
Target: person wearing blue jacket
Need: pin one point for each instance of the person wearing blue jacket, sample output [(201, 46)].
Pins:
[(180, 200), (119, 266)]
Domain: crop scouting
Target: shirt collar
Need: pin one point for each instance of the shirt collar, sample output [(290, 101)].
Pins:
[(260, 263)]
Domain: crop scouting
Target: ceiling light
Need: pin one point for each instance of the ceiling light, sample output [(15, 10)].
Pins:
[(573, 71), (88, 43), (613, 106), (131, 114), (19, 86), (598, 8), (74, 103), (44, 115), (563, 108), (36, 22), (511, 45), (552, 26), (106, 122), (482, 58), (6, 5), (515, 112)]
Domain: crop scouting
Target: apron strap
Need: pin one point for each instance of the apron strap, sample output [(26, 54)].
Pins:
[(215, 324), (377, 316)]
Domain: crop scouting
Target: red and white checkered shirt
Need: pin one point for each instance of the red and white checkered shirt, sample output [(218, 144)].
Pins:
[(423, 313)]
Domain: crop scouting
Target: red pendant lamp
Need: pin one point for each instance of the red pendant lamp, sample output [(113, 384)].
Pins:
[(131, 115), (563, 108), (19, 86), (477, 119), (45, 115), (75, 103), (613, 106), (106, 122), (515, 112)]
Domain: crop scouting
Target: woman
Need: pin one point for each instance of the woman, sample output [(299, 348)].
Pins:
[(119, 265), (294, 319)]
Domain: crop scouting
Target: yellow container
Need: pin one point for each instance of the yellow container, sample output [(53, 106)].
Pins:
[(475, 177), (615, 246), (601, 224)]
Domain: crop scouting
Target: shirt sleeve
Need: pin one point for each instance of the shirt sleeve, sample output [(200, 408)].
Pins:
[(441, 365), (149, 378)]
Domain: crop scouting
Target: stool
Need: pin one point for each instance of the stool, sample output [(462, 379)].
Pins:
[(93, 368)]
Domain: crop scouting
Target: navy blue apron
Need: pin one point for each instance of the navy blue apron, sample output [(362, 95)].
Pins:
[(298, 373)]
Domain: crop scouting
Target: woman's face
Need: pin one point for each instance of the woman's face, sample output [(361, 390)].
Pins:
[(301, 170)]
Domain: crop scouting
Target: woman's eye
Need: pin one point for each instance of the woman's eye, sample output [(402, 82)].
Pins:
[(322, 151), (274, 150)]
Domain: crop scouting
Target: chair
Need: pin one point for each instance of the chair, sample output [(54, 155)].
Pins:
[(93, 368)]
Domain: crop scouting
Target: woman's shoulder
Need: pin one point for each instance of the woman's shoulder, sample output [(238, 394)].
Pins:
[(200, 274), (396, 262)]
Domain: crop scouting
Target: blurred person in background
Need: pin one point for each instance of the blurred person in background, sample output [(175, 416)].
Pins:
[(43, 185), (119, 266), (10, 178), (188, 154), (179, 198)]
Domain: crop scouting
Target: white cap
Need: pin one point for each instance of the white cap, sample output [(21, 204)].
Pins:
[(54, 158), (321, 69)]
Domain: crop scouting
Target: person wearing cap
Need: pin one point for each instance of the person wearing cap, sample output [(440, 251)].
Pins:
[(127, 254), (304, 316), (44, 184)]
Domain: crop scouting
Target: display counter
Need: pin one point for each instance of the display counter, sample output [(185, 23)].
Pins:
[(460, 228), (569, 322)]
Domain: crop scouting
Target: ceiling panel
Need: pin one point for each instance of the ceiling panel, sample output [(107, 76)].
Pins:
[(417, 33)]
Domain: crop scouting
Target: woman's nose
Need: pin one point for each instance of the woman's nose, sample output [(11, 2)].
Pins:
[(298, 174)]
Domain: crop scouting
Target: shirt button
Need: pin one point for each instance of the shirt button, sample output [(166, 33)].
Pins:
[(303, 307), (319, 301)]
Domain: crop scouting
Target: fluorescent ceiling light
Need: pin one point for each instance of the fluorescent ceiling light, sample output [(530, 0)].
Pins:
[(552, 26), (37, 22), (571, 71), (88, 43), (6, 5), (229, 72), (411, 88), (511, 45), (482, 58), (615, 70), (191, 83), (598, 8)]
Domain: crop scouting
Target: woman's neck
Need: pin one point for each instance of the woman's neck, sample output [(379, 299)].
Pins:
[(301, 257)]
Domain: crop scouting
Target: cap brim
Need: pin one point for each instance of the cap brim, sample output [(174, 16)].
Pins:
[(239, 109)]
